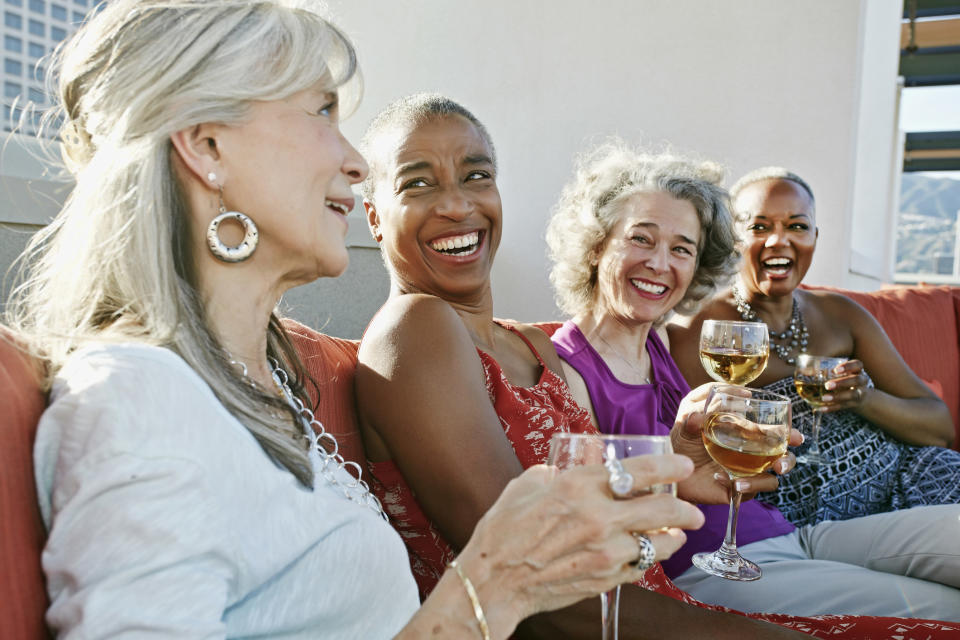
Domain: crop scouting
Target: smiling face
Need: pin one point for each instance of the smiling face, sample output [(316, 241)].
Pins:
[(290, 169), (648, 258), (436, 207), (779, 236)]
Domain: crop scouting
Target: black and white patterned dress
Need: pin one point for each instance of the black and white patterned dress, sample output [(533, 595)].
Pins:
[(865, 469)]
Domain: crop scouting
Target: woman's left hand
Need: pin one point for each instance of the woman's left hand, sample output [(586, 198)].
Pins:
[(709, 483), (848, 389)]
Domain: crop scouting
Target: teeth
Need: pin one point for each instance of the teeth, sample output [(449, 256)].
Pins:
[(655, 289), (777, 262), (338, 206), (457, 242)]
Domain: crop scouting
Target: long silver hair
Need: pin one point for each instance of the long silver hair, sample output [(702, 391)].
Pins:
[(115, 265)]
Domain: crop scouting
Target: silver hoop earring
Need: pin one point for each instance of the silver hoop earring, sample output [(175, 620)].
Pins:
[(246, 247)]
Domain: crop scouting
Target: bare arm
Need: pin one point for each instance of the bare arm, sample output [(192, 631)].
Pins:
[(421, 390), (900, 404)]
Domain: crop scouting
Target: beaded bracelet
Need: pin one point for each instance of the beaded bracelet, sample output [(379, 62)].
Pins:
[(474, 600)]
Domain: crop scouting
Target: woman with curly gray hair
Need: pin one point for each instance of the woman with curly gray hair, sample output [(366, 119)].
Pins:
[(633, 237)]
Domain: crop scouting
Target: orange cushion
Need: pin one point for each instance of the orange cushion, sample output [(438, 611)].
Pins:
[(23, 596), (548, 328), (332, 363), (922, 323)]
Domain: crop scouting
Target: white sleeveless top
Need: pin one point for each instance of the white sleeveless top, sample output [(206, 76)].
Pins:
[(166, 517)]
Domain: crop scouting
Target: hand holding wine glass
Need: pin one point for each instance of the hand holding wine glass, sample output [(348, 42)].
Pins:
[(745, 432), (733, 351), (810, 378), (574, 449)]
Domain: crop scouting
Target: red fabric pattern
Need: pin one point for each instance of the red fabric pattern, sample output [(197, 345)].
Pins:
[(529, 417), (831, 626)]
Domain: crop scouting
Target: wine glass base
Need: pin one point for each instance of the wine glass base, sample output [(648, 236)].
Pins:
[(814, 459), (731, 568)]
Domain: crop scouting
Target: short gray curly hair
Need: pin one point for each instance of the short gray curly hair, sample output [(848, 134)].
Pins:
[(589, 206), (768, 173)]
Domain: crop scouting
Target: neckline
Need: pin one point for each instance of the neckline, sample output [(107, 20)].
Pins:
[(544, 369), (596, 355)]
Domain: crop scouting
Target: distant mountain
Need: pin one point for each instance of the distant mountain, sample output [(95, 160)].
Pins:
[(930, 196), (926, 230)]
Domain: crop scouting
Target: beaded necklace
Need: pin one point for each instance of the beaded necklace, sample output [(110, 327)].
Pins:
[(323, 451), (795, 335)]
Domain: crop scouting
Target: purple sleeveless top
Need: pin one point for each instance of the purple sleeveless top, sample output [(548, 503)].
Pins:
[(650, 409)]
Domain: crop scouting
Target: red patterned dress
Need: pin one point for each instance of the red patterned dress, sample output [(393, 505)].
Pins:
[(529, 417)]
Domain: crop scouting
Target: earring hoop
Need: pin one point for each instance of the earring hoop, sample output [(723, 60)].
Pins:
[(224, 252)]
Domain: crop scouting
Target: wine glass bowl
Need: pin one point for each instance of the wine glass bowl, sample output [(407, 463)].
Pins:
[(745, 431), (810, 378), (574, 449), (733, 351)]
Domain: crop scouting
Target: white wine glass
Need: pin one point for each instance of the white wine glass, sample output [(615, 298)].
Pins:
[(809, 377), (733, 351), (573, 449), (745, 431)]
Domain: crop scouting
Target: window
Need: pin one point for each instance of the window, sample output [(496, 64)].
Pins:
[(15, 3), (11, 90), (58, 34), (38, 73), (12, 20), (928, 233), (13, 67), (58, 12), (36, 95), (78, 17), (12, 43), (38, 6), (37, 28), (35, 50), (82, 3)]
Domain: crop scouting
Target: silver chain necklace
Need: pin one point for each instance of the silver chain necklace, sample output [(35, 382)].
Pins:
[(795, 335), (323, 452), (645, 378)]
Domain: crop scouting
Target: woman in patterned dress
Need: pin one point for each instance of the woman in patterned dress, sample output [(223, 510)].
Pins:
[(634, 236), (883, 441)]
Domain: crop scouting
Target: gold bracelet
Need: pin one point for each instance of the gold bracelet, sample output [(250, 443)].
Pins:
[(474, 600)]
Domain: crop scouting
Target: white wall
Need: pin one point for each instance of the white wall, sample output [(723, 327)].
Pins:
[(809, 85), (745, 82)]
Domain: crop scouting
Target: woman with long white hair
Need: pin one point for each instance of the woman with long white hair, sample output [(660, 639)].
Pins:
[(187, 487)]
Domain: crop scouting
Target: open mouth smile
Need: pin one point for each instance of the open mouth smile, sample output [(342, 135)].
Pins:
[(339, 207), (651, 288), (460, 246), (777, 266)]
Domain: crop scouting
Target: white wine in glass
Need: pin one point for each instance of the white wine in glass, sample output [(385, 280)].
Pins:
[(745, 432), (573, 449), (733, 351), (810, 378)]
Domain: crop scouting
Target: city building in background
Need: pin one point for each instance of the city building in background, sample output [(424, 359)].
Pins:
[(31, 30)]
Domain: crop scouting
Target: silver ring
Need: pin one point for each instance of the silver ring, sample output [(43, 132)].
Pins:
[(620, 481), (647, 552), (859, 395)]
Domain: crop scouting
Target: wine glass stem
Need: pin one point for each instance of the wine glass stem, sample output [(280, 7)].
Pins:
[(815, 435), (609, 613), (729, 547)]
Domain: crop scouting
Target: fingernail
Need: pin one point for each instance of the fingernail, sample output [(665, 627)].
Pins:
[(830, 385), (719, 477), (742, 485), (826, 397), (803, 438)]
